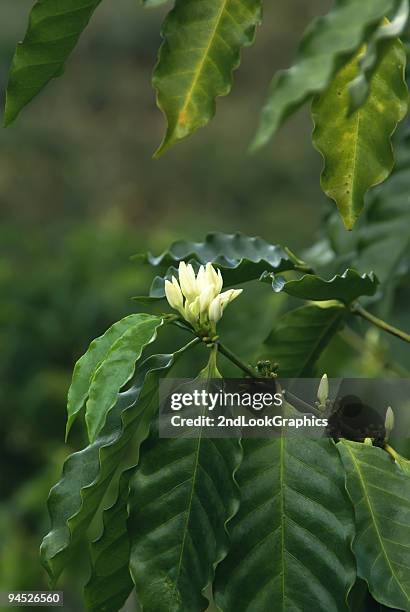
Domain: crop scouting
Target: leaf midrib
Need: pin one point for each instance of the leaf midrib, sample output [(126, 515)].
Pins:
[(282, 517), (201, 63), (354, 166), (320, 339), (373, 516), (188, 514)]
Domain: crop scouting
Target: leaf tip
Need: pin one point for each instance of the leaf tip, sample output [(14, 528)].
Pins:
[(349, 221), (9, 116), (163, 147), (257, 143)]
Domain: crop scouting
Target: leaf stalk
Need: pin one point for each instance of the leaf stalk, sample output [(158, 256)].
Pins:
[(390, 329)]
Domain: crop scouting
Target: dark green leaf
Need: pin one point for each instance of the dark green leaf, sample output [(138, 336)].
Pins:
[(87, 474), (300, 337), (86, 366), (380, 493), (116, 369), (346, 287), (182, 496), (53, 31), (201, 48), (378, 47), (241, 258), (291, 539), (110, 583), (357, 149), (328, 44)]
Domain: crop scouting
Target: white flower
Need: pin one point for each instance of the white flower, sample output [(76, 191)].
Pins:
[(220, 302), (198, 298), (187, 280), (174, 294)]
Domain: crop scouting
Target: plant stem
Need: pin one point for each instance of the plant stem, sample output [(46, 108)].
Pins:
[(238, 362), (352, 339), (390, 329), (296, 402)]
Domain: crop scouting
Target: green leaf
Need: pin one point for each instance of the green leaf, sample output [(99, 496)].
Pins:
[(290, 541), (87, 474), (383, 228), (300, 337), (201, 48), (86, 366), (110, 583), (241, 259), (183, 495), (357, 149), (116, 370), (378, 46), (380, 493), (327, 45), (53, 31), (346, 287)]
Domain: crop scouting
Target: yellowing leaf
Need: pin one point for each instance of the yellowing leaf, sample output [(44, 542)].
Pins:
[(328, 43), (202, 43), (357, 149)]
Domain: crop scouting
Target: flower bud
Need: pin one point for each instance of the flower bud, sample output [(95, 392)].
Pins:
[(205, 298), (389, 422), (187, 280), (228, 296), (323, 390), (214, 277), (174, 294), (215, 310), (190, 312)]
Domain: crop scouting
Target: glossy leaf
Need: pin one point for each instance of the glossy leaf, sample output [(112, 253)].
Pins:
[(117, 369), (87, 474), (300, 337), (290, 541), (327, 45), (378, 47), (182, 496), (357, 149), (346, 287), (53, 31), (380, 493), (86, 366), (110, 583), (241, 258), (201, 48)]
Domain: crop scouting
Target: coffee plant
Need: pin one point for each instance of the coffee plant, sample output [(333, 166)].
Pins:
[(256, 524)]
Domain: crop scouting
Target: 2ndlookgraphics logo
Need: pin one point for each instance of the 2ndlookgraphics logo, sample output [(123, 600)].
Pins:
[(356, 409)]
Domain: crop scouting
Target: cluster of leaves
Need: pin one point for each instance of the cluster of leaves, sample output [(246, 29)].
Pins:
[(244, 522), (351, 63), (252, 518)]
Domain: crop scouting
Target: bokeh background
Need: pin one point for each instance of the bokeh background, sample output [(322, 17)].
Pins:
[(80, 194)]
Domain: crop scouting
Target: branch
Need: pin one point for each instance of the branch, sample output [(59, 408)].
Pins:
[(358, 344), (296, 402), (238, 362), (390, 329)]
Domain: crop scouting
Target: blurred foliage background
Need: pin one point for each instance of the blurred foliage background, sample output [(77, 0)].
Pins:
[(80, 194)]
